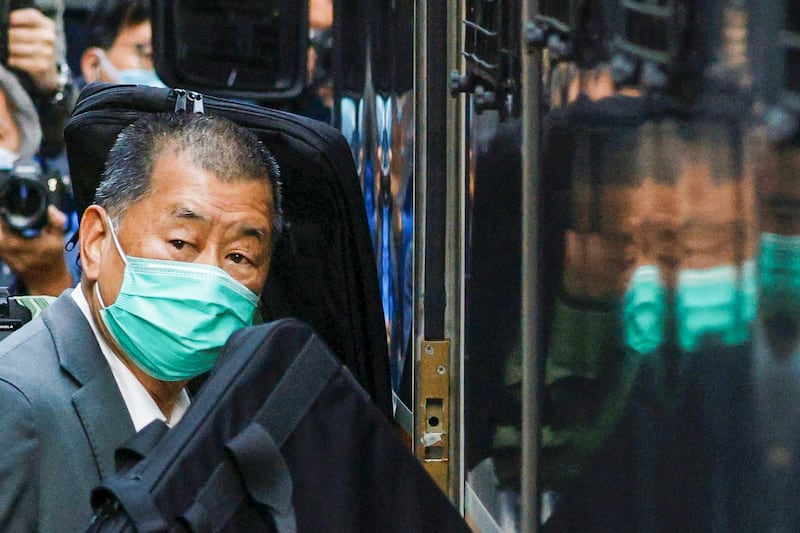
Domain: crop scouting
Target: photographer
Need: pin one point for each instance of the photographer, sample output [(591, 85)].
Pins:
[(119, 44), (36, 53), (35, 263)]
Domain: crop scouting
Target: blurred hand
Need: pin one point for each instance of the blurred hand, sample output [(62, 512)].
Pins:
[(39, 262), (32, 47)]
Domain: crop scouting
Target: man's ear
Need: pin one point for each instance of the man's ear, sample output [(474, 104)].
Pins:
[(90, 64), (92, 241)]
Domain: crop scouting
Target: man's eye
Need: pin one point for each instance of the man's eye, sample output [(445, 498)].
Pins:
[(178, 244), (237, 258)]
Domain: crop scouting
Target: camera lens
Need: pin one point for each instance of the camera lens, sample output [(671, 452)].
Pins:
[(25, 204)]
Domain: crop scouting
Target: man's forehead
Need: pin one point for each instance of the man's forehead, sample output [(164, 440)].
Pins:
[(246, 226)]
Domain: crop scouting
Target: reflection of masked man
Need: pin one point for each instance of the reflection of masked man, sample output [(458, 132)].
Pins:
[(706, 291), (779, 290), (683, 280), (776, 347), (776, 375), (588, 379)]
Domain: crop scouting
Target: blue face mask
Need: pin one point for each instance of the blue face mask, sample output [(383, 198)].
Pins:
[(714, 302), (172, 318), (7, 158), (134, 76), (644, 309), (779, 272), (140, 76)]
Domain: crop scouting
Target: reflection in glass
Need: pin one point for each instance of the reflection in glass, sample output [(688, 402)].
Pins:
[(656, 274), (670, 280), (776, 354), (375, 106), (493, 371)]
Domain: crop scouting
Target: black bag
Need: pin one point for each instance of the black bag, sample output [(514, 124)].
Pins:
[(279, 438), (323, 268)]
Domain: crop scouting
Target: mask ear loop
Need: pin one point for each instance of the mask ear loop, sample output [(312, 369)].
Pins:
[(106, 65), (98, 296), (121, 254), (116, 241)]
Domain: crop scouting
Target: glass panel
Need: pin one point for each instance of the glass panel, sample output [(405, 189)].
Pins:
[(656, 296), (670, 304), (492, 315), (376, 115)]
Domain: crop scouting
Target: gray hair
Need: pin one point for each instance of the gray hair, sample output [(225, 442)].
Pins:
[(213, 143), (23, 112)]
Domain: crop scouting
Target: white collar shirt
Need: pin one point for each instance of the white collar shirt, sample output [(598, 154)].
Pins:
[(141, 406)]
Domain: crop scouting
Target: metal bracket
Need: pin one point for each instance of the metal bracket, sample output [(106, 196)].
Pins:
[(552, 34), (432, 415)]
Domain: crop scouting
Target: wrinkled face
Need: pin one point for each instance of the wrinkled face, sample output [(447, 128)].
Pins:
[(189, 216)]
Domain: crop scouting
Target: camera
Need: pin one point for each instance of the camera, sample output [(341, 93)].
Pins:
[(13, 315), (26, 191)]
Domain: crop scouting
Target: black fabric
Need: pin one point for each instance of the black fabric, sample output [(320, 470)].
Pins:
[(266, 40), (350, 470), (323, 271), (133, 451)]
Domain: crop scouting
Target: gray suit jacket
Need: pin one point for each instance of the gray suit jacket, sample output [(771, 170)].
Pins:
[(61, 418)]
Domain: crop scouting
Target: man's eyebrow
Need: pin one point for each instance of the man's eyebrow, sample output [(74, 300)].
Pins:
[(185, 212), (250, 231), (246, 230)]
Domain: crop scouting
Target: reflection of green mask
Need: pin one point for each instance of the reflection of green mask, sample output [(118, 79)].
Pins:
[(644, 309), (779, 272), (712, 303)]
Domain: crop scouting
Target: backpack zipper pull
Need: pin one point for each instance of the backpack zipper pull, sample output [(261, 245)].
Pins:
[(180, 99), (197, 101)]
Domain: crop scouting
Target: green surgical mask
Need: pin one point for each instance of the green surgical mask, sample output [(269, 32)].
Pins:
[(714, 302), (173, 318), (779, 271), (644, 310)]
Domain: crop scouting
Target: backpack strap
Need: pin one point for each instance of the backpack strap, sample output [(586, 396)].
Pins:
[(139, 446), (255, 466), (130, 494)]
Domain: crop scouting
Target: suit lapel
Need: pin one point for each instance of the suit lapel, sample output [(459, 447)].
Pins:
[(98, 402), (105, 419)]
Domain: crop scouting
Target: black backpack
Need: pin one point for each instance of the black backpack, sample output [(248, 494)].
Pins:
[(323, 269), (279, 438)]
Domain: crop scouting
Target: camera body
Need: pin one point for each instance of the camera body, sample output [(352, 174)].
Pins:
[(25, 193), (13, 315)]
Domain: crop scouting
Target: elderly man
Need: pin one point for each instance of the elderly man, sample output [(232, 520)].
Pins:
[(175, 252)]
